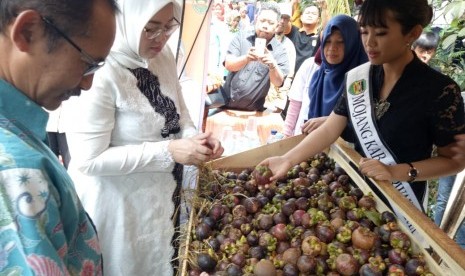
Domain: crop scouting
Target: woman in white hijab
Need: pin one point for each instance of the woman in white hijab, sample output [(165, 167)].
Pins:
[(129, 138)]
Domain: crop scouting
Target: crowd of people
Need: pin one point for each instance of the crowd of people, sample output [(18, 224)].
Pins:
[(130, 135), (299, 43)]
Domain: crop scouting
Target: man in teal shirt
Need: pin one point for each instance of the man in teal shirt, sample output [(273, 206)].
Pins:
[(49, 51)]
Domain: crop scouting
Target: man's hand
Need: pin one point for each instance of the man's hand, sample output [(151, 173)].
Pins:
[(321, 4), (252, 55), (213, 82), (268, 60)]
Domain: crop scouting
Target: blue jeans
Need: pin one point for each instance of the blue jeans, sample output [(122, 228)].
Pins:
[(444, 188)]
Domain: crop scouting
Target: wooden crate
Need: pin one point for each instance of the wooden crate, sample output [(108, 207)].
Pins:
[(452, 257)]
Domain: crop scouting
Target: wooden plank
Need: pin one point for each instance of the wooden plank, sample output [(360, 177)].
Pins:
[(250, 158), (445, 247)]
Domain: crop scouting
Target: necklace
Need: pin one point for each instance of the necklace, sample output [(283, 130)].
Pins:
[(381, 107)]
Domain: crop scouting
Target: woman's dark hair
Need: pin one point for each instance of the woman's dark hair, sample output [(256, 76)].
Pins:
[(70, 16), (408, 13), (427, 41)]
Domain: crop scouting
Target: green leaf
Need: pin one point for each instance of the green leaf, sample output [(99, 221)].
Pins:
[(461, 32), (374, 216), (455, 8), (449, 41)]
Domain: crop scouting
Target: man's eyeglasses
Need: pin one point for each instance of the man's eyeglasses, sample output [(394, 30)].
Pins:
[(92, 64), (156, 32)]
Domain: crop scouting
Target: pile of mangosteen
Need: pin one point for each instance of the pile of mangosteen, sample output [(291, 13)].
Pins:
[(315, 221)]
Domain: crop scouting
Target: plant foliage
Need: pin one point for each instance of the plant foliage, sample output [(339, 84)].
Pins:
[(450, 56)]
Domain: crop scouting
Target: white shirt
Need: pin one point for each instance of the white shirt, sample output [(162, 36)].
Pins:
[(122, 168), (299, 90)]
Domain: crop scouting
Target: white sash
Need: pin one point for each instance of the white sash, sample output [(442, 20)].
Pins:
[(361, 114)]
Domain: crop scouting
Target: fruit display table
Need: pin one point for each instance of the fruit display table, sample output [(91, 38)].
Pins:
[(434, 242)]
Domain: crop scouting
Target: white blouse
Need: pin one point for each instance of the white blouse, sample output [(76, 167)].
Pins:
[(122, 168)]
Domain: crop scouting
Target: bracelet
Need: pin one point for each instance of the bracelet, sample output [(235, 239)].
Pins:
[(272, 68)]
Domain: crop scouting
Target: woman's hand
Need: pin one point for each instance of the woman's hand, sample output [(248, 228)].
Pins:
[(215, 145), (278, 165), (313, 124), (195, 150), (459, 149), (375, 169)]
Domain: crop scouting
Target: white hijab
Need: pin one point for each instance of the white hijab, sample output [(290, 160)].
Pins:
[(131, 21)]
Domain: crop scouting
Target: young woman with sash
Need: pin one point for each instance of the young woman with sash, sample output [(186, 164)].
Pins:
[(396, 106)]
